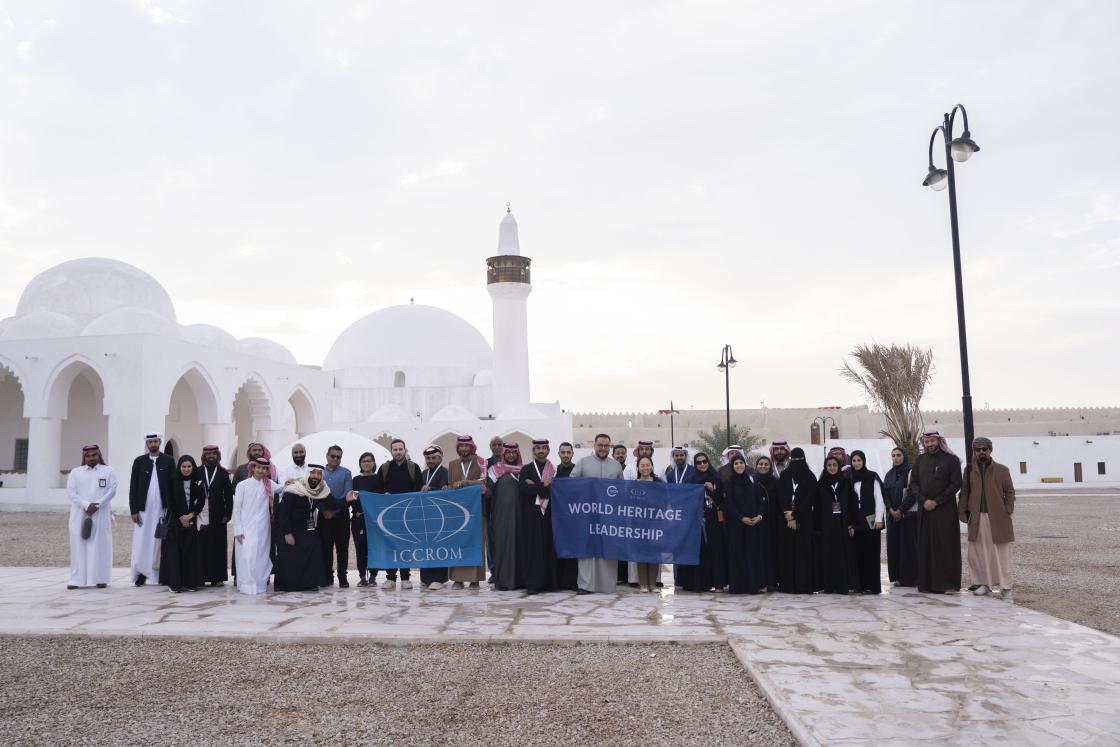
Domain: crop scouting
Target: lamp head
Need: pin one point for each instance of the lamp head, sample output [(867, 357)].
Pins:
[(937, 179), (962, 148), (732, 362), (721, 367)]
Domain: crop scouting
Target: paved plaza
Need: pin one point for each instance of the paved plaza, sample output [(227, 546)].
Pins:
[(901, 668)]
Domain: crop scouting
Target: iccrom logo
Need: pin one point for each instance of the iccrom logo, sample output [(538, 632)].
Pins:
[(612, 491), (423, 519)]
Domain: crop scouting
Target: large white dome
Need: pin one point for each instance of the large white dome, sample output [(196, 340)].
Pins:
[(84, 289), (410, 336), (132, 320), (211, 337), (274, 351)]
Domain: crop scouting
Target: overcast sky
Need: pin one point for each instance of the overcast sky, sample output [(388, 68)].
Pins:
[(685, 175)]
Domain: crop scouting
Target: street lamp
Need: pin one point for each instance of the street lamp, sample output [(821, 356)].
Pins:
[(726, 363), (958, 150), (824, 431)]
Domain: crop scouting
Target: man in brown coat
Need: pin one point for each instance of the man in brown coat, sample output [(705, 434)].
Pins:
[(986, 503)]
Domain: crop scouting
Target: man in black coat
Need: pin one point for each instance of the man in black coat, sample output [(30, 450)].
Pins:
[(215, 516), (400, 475), (147, 502)]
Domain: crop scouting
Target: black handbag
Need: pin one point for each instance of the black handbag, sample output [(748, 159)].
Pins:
[(162, 529), (87, 528)]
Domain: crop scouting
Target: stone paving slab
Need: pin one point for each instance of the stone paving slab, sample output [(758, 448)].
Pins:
[(900, 668)]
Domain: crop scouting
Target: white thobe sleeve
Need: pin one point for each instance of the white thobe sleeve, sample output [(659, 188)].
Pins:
[(110, 487), (880, 506), (238, 505), (73, 490)]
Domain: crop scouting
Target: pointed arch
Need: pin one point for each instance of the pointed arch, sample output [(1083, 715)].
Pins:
[(524, 442), (446, 441), (57, 389), (307, 415), (260, 401), (205, 391), (14, 426)]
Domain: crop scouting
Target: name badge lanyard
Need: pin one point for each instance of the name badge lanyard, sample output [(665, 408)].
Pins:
[(542, 502), (431, 476), (313, 514)]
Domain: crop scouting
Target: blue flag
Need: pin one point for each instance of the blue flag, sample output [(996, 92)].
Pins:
[(645, 522), (437, 529)]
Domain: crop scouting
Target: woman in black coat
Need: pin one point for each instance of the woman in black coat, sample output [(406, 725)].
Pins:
[(744, 508), (797, 495), (902, 522), (836, 565), (771, 520), (710, 573), (181, 562)]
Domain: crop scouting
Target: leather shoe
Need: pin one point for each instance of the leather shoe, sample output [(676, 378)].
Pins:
[(141, 579)]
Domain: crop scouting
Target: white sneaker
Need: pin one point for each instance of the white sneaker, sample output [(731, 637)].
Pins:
[(457, 585), (388, 585), (981, 590), (644, 589), (423, 585), (406, 584), (435, 587), (1007, 596)]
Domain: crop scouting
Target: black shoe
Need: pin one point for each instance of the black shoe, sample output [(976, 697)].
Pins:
[(974, 587), (632, 586), (531, 592), (343, 583), (582, 591), (141, 579), (191, 588)]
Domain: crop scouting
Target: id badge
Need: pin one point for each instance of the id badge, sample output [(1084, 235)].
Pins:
[(836, 507), (311, 520), (102, 482), (204, 517)]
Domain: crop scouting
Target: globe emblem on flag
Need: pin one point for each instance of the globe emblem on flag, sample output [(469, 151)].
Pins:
[(420, 519)]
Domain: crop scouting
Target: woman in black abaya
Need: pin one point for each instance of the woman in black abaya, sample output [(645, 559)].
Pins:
[(710, 573), (771, 520), (836, 566), (744, 507), (868, 510), (797, 495), (181, 562), (902, 522)]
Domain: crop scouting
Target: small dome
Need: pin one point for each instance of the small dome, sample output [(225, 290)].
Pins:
[(211, 337), (40, 325), (485, 377), (391, 414), (353, 445), (85, 289), (263, 348), (132, 320), (454, 412), (410, 335)]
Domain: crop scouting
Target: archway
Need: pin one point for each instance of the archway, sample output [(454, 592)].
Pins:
[(14, 427), (85, 421), (385, 439), (447, 442), (303, 408), (524, 442), (253, 421)]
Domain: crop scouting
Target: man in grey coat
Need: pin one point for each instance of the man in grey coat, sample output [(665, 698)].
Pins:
[(598, 574)]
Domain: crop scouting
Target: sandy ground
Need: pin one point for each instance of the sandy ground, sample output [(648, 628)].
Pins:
[(1066, 555), (88, 691)]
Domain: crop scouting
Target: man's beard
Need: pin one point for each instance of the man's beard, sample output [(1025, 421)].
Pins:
[(313, 482), (299, 460)]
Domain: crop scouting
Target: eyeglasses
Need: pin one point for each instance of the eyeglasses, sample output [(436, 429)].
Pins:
[(702, 461), (981, 448)]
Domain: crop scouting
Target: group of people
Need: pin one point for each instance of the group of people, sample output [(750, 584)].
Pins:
[(773, 526)]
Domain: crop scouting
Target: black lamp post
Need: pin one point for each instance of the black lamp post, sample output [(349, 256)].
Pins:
[(824, 431), (726, 362), (960, 150)]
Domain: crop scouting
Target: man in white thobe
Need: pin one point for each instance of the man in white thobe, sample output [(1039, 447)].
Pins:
[(294, 472), (148, 493), (252, 528), (91, 487), (598, 574)]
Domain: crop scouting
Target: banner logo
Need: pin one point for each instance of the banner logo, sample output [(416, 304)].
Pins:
[(421, 519), (423, 530)]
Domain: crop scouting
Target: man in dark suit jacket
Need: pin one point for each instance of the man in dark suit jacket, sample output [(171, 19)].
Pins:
[(147, 502)]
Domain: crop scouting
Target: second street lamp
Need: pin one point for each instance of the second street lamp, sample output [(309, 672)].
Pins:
[(726, 363), (960, 150)]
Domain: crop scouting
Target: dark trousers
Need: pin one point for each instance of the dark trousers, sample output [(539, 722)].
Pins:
[(433, 575), (391, 573), (868, 549), (361, 546), (334, 534)]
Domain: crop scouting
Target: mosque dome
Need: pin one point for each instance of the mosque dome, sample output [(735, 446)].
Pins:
[(131, 320), (263, 348), (40, 325), (392, 413), (485, 377), (211, 337), (454, 412), (353, 445), (85, 289), (410, 336)]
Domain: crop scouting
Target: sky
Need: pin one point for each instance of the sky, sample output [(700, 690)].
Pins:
[(685, 175)]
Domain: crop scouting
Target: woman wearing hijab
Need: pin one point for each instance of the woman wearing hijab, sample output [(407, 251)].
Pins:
[(764, 476), (648, 573), (836, 566), (711, 572), (744, 508), (181, 562), (902, 522), (868, 509), (797, 495), (369, 481)]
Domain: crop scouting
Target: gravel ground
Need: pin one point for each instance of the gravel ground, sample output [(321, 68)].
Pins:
[(121, 691)]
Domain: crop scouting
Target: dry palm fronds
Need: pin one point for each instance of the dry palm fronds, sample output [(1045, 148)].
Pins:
[(894, 379)]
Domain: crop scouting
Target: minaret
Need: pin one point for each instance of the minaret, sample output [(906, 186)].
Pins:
[(507, 281)]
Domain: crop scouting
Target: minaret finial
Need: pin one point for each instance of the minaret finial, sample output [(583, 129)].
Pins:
[(507, 207), (411, 300)]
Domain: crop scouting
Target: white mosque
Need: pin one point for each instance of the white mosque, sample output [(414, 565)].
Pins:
[(95, 354)]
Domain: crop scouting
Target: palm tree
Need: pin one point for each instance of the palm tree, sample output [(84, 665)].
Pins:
[(715, 442), (894, 380)]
